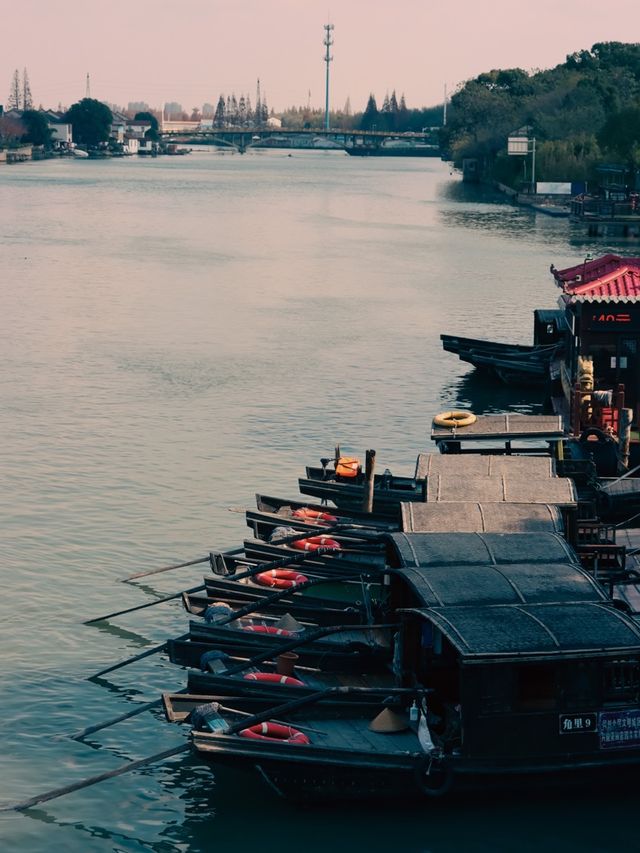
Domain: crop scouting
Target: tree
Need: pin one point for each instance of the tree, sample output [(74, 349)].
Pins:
[(621, 134), (37, 128), (27, 100), (152, 133), (370, 117), (218, 119), (91, 121), (14, 100)]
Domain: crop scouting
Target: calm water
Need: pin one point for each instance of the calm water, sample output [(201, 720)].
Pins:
[(176, 335)]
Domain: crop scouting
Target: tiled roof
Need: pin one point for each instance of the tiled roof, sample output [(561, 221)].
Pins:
[(610, 278)]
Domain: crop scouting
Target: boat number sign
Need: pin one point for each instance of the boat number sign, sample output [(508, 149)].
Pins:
[(601, 320), (616, 729)]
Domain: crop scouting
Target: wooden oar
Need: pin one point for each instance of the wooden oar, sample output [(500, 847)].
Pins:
[(147, 604), (105, 724), (92, 780), (135, 658), (178, 566)]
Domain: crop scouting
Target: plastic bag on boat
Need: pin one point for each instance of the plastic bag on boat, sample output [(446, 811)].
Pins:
[(279, 533), (206, 718)]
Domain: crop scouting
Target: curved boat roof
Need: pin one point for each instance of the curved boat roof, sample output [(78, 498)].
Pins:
[(515, 583), (466, 549), (470, 517), (548, 630)]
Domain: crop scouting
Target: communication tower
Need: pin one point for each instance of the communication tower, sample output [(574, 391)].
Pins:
[(87, 93), (328, 41)]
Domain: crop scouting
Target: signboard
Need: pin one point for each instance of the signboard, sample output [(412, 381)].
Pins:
[(518, 145), (619, 729), (553, 188), (611, 318), (572, 724)]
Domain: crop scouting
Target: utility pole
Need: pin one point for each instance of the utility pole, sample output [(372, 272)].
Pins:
[(87, 93), (328, 41)]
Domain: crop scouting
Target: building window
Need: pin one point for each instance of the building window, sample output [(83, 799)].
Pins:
[(622, 681)]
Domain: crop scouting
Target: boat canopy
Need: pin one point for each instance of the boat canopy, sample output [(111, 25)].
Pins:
[(469, 549), (469, 517), (505, 427), (489, 465), (503, 488), (513, 631), (515, 583)]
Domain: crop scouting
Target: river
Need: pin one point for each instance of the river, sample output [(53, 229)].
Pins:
[(177, 334)]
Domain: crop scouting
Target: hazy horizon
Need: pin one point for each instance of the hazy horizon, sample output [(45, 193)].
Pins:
[(194, 53)]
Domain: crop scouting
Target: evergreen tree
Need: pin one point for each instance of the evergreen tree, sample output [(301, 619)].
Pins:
[(27, 100), (371, 116), (218, 119), (14, 101)]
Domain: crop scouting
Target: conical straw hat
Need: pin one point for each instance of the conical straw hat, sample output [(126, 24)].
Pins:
[(388, 722)]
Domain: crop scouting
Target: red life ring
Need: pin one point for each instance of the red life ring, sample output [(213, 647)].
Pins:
[(281, 579), (313, 515), (269, 629), (314, 543), (274, 678), (275, 732)]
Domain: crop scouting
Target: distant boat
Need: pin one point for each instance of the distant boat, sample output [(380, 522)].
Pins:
[(78, 152), (395, 148)]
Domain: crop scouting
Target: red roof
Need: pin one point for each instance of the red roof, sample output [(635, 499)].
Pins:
[(610, 278)]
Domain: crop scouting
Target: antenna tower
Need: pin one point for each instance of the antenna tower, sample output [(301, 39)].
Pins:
[(328, 41), (87, 93)]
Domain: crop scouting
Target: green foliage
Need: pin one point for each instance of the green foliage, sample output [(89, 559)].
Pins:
[(36, 127), (620, 135), (583, 110), (152, 133), (91, 121)]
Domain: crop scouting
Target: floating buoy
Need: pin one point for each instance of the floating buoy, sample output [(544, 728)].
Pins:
[(275, 732), (455, 419), (281, 579)]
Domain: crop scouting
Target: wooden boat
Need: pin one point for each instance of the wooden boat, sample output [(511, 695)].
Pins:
[(303, 682), (513, 364), (349, 557), (389, 490), (456, 344), (284, 511), (320, 611), (504, 695)]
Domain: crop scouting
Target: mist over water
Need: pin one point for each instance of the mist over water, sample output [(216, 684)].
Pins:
[(178, 334)]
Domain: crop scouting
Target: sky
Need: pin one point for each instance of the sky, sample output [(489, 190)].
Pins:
[(190, 52)]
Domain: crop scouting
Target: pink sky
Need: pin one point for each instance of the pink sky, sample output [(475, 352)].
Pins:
[(190, 52)]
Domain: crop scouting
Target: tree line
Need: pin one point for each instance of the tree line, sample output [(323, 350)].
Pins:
[(582, 112)]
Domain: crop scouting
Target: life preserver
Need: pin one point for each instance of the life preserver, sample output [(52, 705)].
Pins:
[(281, 579), (455, 419), (348, 466), (314, 543), (433, 781), (269, 629), (274, 678), (275, 732), (313, 515)]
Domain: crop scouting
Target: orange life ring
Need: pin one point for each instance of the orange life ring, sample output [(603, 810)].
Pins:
[(274, 678), (281, 579), (275, 732), (269, 629), (314, 543), (348, 466), (313, 515)]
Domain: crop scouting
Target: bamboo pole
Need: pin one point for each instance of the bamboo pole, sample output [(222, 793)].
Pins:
[(367, 498)]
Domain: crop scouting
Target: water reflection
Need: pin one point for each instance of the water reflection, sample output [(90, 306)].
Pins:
[(484, 395)]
